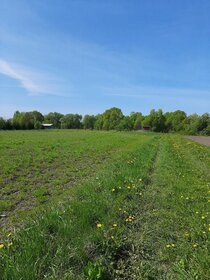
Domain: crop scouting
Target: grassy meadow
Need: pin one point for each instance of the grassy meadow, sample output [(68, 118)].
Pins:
[(103, 205)]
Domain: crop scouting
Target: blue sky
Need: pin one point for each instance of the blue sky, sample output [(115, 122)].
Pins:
[(84, 56)]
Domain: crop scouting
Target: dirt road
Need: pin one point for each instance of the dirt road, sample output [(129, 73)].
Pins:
[(205, 140)]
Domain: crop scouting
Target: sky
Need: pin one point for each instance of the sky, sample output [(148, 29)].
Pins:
[(85, 56)]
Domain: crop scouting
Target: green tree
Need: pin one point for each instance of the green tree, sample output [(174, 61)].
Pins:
[(54, 118), (136, 120), (71, 121), (89, 121), (125, 124), (26, 120), (175, 121), (155, 120), (38, 125), (98, 122), (2, 123), (112, 118)]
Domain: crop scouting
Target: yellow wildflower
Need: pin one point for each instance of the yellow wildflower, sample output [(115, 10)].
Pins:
[(1, 246), (99, 225), (168, 246), (173, 245), (112, 237), (9, 244), (113, 190), (114, 225)]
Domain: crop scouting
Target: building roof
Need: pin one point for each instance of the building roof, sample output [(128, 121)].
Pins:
[(47, 124)]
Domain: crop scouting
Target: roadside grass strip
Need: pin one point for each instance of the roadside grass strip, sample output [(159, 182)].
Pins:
[(87, 238), (171, 238)]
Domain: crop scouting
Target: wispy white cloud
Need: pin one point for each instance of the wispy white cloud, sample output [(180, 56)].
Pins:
[(150, 92), (34, 83)]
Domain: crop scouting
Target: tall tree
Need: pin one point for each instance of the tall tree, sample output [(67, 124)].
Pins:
[(71, 121), (54, 118), (88, 121), (112, 118)]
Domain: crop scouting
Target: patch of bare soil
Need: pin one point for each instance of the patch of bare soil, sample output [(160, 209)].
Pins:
[(205, 140)]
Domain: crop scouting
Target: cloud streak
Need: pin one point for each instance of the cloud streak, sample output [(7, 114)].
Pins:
[(30, 81), (166, 92)]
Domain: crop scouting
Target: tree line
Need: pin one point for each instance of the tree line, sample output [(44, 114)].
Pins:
[(113, 119)]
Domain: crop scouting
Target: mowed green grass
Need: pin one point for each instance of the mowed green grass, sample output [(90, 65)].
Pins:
[(142, 214)]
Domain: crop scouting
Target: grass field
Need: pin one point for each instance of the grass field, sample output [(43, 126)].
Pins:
[(103, 205)]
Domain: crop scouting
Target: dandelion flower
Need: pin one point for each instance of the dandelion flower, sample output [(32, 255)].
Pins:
[(173, 245), (114, 225), (99, 225), (203, 217), (1, 246), (168, 246), (113, 190)]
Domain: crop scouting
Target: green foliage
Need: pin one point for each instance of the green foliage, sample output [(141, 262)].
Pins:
[(54, 118), (38, 125), (95, 271), (89, 122), (125, 124), (99, 122), (71, 121), (2, 123), (112, 118), (26, 120), (175, 120), (156, 120), (136, 120)]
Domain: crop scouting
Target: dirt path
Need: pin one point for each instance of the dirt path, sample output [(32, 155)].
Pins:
[(205, 140)]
